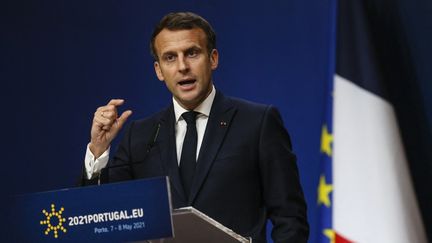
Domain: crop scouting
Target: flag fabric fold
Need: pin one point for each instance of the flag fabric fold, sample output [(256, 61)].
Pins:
[(365, 193)]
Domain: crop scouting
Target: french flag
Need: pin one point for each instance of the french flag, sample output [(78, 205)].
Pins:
[(365, 193)]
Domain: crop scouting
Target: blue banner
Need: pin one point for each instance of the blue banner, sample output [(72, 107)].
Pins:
[(118, 212)]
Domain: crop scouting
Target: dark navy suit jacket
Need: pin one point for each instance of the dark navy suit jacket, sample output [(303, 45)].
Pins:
[(246, 172)]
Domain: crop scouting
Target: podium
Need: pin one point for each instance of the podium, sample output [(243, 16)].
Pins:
[(191, 225), (133, 211)]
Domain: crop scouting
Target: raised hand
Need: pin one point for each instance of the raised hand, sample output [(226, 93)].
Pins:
[(106, 125)]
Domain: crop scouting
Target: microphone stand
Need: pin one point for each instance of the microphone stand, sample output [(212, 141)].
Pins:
[(150, 145)]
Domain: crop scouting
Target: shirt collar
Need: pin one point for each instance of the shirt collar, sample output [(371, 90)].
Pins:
[(203, 108)]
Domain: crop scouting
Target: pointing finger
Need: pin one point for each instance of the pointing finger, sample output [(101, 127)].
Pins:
[(116, 102)]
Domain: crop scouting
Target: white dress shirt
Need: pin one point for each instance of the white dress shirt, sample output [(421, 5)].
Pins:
[(94, 165)]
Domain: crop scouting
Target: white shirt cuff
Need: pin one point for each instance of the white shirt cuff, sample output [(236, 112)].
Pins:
[(94, 166)]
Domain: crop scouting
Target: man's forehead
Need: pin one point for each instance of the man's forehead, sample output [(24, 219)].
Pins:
[(178, 39)]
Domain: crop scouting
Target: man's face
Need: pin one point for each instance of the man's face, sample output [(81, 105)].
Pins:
[(185, 65)]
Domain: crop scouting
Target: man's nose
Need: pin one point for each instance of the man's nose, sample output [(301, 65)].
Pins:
[(183, 65)]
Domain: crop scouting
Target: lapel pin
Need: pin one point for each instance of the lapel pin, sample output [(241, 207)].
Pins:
[(223, 124)]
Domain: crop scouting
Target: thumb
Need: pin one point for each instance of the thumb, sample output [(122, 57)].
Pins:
[(122, 119)]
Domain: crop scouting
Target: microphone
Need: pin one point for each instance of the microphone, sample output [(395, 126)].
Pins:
[(149, 146)]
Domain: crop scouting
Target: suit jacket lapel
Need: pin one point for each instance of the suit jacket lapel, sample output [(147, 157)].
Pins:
[(218, 124), (168, 151)]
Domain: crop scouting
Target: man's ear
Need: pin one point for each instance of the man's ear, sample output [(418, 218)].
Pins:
[(158, 71), (214, 59)]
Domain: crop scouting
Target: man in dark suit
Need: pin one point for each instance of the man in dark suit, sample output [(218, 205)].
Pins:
[(227, 157)]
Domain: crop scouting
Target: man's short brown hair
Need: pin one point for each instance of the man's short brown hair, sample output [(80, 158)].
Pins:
[(183, 21)]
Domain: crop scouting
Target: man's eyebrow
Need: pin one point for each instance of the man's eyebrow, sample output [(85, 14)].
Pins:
[(169, 53), (189, 49), (193, 48)]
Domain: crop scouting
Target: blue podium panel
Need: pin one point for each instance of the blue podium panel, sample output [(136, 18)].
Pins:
[(118, 212)]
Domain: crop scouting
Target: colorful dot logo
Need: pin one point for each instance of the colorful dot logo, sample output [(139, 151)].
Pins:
[(54, 221)]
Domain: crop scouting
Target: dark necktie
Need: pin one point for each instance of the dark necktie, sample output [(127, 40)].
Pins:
[(188, 155)]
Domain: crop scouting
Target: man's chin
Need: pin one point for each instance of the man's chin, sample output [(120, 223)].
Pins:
[(188, 102)]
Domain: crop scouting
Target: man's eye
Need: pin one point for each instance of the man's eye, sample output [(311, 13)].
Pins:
[(169, 58), (192, 53)]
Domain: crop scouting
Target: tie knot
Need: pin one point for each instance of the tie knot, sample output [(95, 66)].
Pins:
[(190, 117)]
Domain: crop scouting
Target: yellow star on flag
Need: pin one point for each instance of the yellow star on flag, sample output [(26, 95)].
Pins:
[(324, 190), (326, 141), (330, 234)]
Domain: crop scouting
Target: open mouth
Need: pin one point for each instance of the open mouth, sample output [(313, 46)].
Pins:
[(186, 82)]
